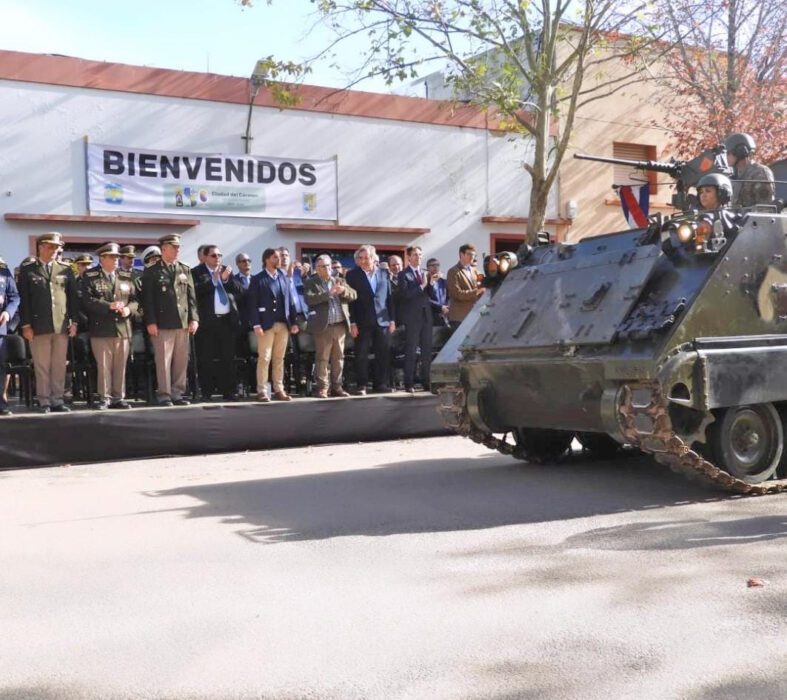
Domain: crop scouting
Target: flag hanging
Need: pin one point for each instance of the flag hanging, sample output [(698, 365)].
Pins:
[(635, 201)]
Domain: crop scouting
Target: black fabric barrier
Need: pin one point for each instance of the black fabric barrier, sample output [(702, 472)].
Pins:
[(90, 436)]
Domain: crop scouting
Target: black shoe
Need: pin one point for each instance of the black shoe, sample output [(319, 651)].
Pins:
[(164, 402), (119, 404), (410, 389), (101, 405), (181, 402), (230, 398), (360, 392), (382, 390), (60, 408), (5, 411), (43, 409)]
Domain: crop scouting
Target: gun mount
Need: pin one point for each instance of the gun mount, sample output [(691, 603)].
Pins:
[(687, 173)]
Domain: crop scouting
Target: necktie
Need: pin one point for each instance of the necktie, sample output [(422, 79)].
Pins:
[(112, 279), (418, 276), (220, 289)]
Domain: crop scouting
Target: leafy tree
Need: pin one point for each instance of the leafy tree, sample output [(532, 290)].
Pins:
[(727, 72), (531, 63)]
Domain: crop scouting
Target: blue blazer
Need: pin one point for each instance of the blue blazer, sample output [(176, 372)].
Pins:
[(370, 308), (262, 302), (9, 298), (438, 295)]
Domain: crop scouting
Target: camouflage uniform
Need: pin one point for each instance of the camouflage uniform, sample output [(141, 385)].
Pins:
[(761, 191)]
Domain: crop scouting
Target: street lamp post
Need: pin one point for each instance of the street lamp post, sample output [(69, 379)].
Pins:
[(256, 81)]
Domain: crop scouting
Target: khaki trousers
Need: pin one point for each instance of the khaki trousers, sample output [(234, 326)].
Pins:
[(271, 348), (50, 355), (171, 349), (111, 356), (329, 346)]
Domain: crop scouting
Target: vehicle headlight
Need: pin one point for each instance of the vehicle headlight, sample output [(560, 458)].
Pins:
[(685, 232)]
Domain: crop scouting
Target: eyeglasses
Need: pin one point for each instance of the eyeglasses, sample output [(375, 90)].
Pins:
[(215, 255), (242, 260)]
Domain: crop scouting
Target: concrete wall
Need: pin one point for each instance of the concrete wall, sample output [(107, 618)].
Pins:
[(391, 173)]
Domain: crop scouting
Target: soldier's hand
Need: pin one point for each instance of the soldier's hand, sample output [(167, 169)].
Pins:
[(258, 331), (295, 330), (116, 306), (4, 318), (193, 326), (152, 330), (27, 333), (444, 310), (392, 326), (72, 330), (354, 330), (125, 312)]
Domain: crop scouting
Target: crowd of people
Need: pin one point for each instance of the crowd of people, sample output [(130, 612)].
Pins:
[(211, 314)]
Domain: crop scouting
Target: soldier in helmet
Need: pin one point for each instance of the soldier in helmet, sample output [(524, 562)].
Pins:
[(714, 191), (756, 184)]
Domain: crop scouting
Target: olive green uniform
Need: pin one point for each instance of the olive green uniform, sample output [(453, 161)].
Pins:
[(110, 333), (169, 301), (757, 186), (49, 304)]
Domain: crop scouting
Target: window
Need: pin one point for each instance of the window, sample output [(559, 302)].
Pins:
[(624, 175)]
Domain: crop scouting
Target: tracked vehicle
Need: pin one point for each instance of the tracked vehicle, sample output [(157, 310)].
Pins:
[(670, 338)]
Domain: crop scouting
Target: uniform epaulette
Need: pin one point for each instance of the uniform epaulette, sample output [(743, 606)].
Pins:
[(92, 273), (28, 264)]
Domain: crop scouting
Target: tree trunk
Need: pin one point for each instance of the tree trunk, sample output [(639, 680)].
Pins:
[(539, 197)]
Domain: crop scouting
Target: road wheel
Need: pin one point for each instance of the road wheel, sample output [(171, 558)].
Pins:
[(542, 446), (599, 445), (747, 442)]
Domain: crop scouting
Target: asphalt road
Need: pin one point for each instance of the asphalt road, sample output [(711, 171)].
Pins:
[(413, 569)]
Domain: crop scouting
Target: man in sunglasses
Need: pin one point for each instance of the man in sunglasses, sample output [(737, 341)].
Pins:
[(218, 296)]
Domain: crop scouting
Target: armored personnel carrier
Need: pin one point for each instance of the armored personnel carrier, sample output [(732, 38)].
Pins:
[(670, 338)]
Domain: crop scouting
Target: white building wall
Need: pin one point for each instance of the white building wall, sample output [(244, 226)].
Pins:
[(390, 173)]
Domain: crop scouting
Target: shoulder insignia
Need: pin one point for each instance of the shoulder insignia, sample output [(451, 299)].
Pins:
[(92, 273)]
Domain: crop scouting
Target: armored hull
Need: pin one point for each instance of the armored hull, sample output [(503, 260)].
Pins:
[(671, 338)]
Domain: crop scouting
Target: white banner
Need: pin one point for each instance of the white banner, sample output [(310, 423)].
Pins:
[(122, 179)]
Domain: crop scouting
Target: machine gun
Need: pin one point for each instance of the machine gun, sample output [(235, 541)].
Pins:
[(687, 173)]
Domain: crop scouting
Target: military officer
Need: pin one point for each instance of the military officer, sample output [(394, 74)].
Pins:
[(754, 181), (82, 264), (49, 302), (9, 304), (169, 306), (127, 256), (109, 297)]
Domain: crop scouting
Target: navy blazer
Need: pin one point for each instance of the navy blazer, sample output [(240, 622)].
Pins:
[(370, 308), (413, 300), (9, 298), (262, 300)]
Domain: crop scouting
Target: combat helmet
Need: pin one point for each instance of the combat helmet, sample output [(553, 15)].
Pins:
[(720, 182), (740, 145)]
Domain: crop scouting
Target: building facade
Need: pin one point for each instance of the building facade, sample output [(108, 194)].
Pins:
[(409, 170)]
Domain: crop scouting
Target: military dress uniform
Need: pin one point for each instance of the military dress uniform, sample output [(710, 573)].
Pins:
[(169, 301), (110, 331), (49, 305)]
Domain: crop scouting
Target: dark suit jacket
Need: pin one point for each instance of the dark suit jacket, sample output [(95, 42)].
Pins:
[(413, 301), (262, 302), (49, 301), (168, 299), (205, 290), (317, 295), (97, 294), (371, 308), (9, 298), (438, 298)]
